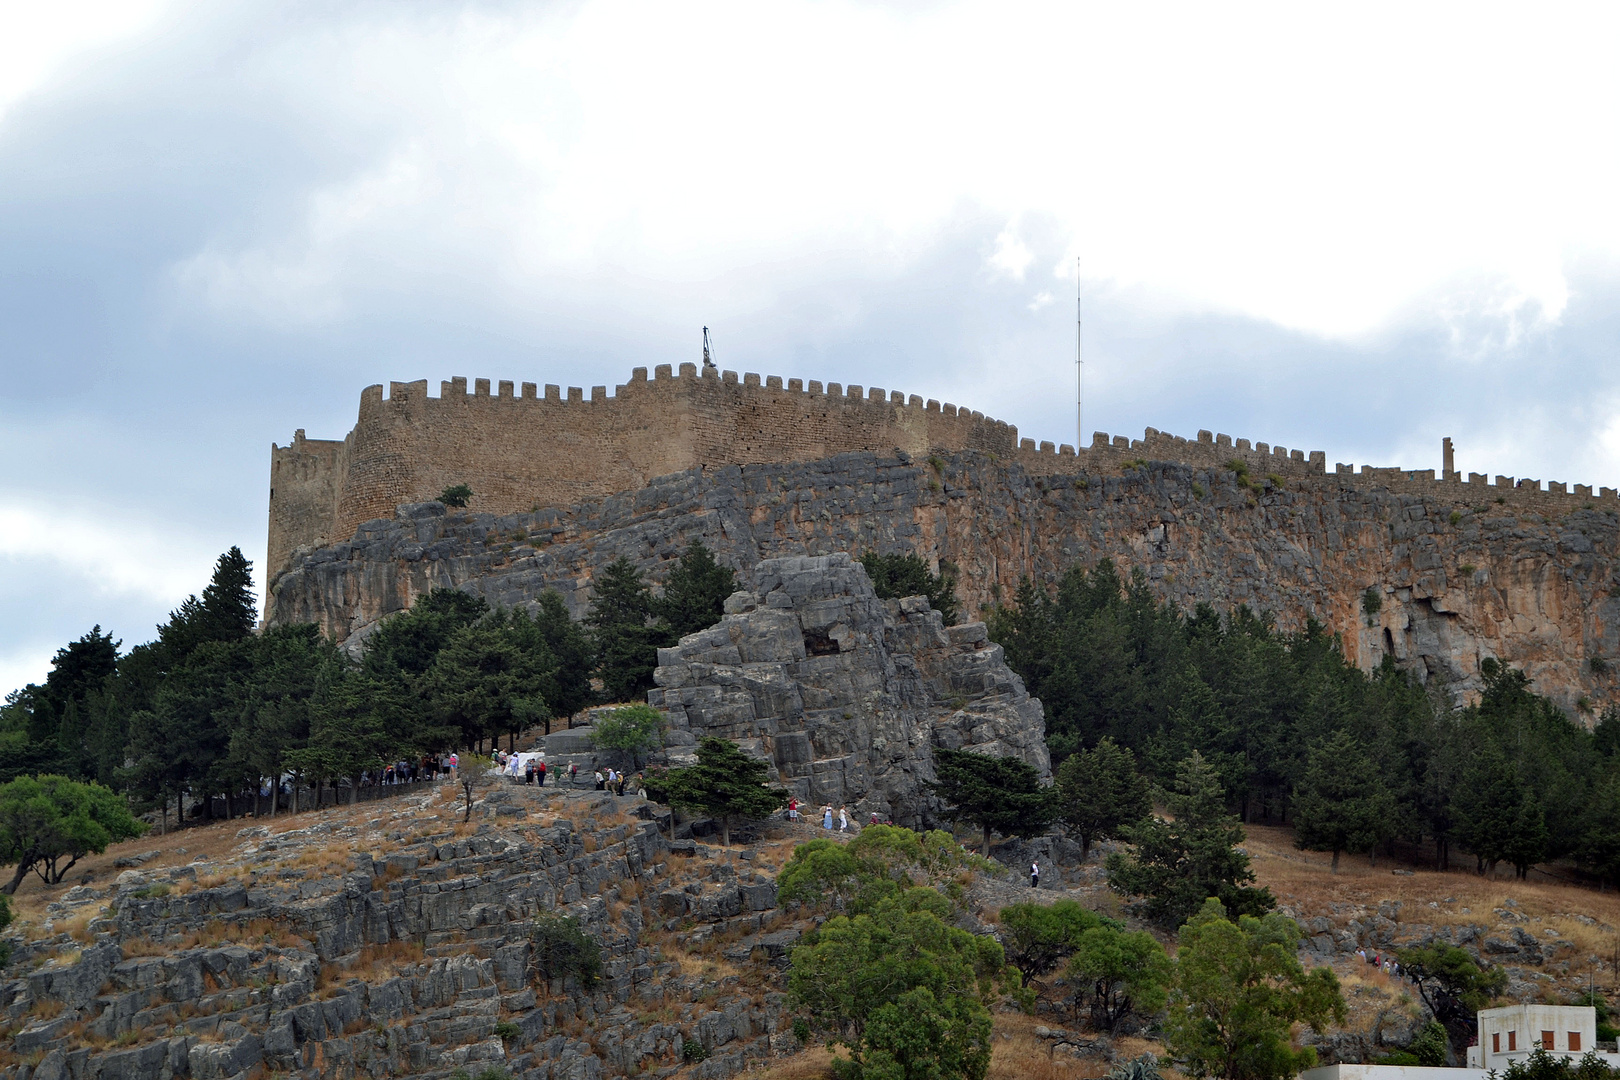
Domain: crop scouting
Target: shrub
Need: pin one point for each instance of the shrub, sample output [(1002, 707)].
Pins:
[(692, 1050), (1597, 664), (1456, 516), (507, 1030), (457, 495), (563, 950), (1372, 602)]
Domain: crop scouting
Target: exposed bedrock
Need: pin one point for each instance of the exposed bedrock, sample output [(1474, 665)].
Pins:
[(1458, 582), (844, 693)]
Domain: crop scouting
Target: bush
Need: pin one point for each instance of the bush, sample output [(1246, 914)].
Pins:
[(562, 950), (635, 731), (692, 1050), (457, 495), (1372, 602), (801, 1030), (507, 1030)]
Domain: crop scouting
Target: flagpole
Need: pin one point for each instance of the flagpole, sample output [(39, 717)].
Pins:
[(1079, 365)]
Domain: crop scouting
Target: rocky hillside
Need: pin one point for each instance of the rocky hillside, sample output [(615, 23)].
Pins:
[(341, 945), (391, 939), (1449, 584)]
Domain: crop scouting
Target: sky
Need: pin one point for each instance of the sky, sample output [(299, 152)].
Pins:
[(1349, 228)]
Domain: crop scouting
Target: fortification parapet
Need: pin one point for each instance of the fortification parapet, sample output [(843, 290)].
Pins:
[(519, 452)]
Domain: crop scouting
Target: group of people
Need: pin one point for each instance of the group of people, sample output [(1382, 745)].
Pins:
[(614, 781), (1387, 964), (827, 816), (428, 767)]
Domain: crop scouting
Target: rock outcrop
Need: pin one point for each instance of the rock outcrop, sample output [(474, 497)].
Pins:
[(1457, 582), (846, 694), (312, 957)]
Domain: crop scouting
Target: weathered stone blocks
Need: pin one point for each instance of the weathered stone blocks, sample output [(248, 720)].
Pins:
[(846, 694)]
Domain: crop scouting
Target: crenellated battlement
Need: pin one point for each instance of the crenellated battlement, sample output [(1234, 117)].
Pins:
[(521, 446)]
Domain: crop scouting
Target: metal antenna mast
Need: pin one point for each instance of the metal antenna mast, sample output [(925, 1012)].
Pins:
[(1079, 365)]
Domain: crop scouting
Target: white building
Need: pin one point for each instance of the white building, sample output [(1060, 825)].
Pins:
[(1512, 1033), (1505, 1035)]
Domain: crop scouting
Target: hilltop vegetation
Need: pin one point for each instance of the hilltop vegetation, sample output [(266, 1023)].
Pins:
[(1283, 717)]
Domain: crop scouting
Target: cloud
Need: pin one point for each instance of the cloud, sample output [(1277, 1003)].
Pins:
[(1350, 232)]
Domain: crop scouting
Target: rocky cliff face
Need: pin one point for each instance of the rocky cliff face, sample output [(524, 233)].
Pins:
[(846, 694), (1456, 582)]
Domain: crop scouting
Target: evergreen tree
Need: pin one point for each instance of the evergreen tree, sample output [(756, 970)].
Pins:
[(899, 575), (1486, 806), (482, 685), (566, 684), (1341, 803), (1002, 794), (225, 612), (1452, 985), (1239, 991), (627, 638), (725, 784), (1528, 842), (695, 594), (1099, 791), (295, 672), (1177, 864)]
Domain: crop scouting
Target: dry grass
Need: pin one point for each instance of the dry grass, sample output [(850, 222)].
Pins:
[(46, 1008), (78, 926), (1016, 1053), (373, 964), (811, 1063), (1303, 880)]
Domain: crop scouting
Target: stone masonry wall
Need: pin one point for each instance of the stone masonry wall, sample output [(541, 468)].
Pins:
[(521, 449), (1461, 579)]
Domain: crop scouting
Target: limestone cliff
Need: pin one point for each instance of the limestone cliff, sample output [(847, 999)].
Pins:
[(1457, 581), (844, 693)]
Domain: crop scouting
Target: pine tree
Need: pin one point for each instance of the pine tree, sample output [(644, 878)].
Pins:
[(995, 793), (626, 637), (1099, 791), (1177, 864), (695, 594), (566, 685), (725, 784), (1486, 806), (1341, 803), (1527, 844)]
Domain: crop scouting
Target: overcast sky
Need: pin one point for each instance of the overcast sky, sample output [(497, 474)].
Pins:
[(1353, 230)]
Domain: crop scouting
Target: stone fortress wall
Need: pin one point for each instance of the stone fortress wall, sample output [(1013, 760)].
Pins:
[(521, 450)]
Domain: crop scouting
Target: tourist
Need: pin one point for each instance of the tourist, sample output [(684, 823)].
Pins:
[(1034, 875), (826, 818), (573, 773), (528, 772), (843, 820), (601, 781), (540, 770), (793, 809)]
